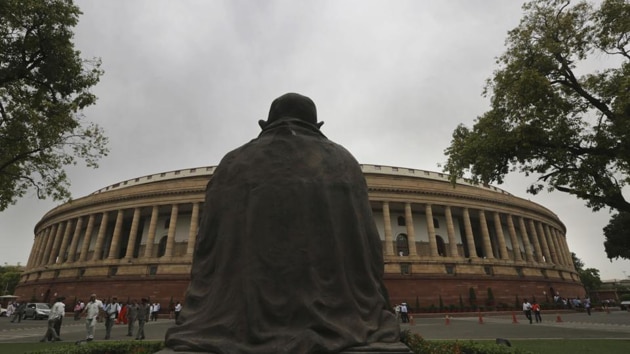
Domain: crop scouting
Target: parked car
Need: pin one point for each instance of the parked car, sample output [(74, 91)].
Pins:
[(625, 305), (3, 312), (36, 310)]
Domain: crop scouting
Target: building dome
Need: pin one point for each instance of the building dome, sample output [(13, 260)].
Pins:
[(136, 238)]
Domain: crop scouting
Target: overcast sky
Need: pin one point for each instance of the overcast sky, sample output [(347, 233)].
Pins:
[(186, 81)]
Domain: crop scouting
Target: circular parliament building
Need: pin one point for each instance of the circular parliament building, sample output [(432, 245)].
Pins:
[(443, 244)]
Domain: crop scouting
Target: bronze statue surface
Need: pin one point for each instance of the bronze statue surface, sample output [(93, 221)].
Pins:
[(288, 258)]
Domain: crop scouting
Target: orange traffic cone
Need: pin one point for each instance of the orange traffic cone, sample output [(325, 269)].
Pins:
[(480, 318), (448, 320), (558, 319), (514, 320)]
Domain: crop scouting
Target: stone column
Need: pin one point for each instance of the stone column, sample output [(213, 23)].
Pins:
[(556, 245), (470, 238), (529, 253), (148, 252), (37, 248), (133, 234), (565, 251), (75, 240), (54, 251), (433, 251), (100, 238), (192, 233), (85, 247), (49, 243), (534, 233), (547, 244), (31, 256), (487, 245), (411, 233), (503, 253), (569, 254), (516, 248), (63, 250), (450, 229), (543, 242), (113, 247), (387, 225), (552, 246), (172, 228)]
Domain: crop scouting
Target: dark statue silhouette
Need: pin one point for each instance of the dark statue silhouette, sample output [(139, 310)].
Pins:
[(288, 258)]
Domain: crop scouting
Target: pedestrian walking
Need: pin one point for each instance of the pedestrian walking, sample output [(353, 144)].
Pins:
[(536, 311), (92, 310), (143, 317), (111, 313), (527, 310), (132, 316), (57, 312)]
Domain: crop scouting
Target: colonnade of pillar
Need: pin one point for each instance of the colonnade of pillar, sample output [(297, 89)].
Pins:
[(542, 242), (59, 243)]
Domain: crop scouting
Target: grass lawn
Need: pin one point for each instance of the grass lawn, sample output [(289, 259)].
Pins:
[(574, 346), (543, 346)]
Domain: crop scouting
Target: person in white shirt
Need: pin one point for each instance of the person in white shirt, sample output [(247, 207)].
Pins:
[(178, 309), (527, 310), (92, 310), (111, 312), (56, 315)]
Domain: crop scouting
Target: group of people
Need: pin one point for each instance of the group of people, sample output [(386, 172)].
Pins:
[(110, 311), (402, 312), (16, 311), (529, 308), (113, 312)]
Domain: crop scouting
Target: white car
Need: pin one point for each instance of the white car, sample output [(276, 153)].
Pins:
[(36, 311), (625, 305), (3, 312)]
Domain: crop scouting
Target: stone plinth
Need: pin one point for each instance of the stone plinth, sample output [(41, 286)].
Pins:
[(380, 348)]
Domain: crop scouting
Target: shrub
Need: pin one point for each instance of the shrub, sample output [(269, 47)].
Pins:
[(123, 347), (418, 345)]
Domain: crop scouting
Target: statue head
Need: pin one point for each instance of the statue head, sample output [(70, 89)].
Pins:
[(292, 105)]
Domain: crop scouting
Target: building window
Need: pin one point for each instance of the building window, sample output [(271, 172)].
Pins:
[(81, 273), (162, 246), (401, 221), (544, 273), (405, 268), (152, 269), (167, 223), (519, 272), (450, 268), (436, 223), (56, 275), (441, 246), (112, 271), (488, 270), (402, 245)]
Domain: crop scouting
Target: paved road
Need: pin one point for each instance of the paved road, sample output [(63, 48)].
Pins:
[(600, 325), (615, 325)]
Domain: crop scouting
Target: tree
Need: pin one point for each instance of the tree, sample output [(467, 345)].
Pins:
[(44, 86), (572, 131), (9, 278), (589, 276), (617, 244)]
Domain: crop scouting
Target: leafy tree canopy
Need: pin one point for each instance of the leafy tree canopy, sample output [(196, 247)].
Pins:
[(549, 117), (9, 278), (617, 244), (44, 86), (589, 276)]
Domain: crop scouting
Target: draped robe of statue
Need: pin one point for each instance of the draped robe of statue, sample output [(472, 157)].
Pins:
[(288, 258)]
